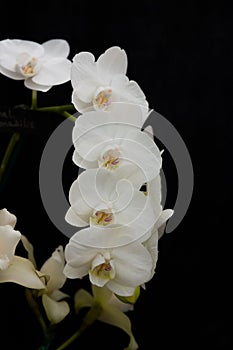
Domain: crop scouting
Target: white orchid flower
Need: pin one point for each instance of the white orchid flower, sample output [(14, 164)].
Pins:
[(119, 268), (14, 268), (112, 203), (97, 84), (112, 310), (40, 66), (56, 309), (52, 271), (104, 139)]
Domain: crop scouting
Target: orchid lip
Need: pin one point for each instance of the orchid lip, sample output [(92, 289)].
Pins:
[(104, 270), (102, 99), (26, 65), (102, 218), (110, 159)]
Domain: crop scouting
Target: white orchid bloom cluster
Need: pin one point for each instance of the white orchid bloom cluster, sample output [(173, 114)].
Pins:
[(118, 158), (115, 202), (119, 224)]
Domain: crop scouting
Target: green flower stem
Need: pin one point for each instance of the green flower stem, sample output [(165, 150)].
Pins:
[(36, 310), (56, 109), (34, 99), (68, 116), (10, 148), (62, 110), (91, 316)]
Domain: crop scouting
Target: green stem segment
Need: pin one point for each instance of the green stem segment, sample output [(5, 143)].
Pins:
[(62, 110), (10, 148), (91, 316), (68, 116), (34, 99), (56, 109)]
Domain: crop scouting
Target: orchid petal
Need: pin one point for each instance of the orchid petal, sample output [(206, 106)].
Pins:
[(76, 272), (82, 163), (54, 72), (161, 222), (97, 237), (34, 86), (21, 271), (113, 61), (79, 105), (120, 289), (56, 48), (129, 90), (85, 90), (53, 267), (149, 131), (11, 74), (9, 238), (6, 218), (10, 49), (76, 219), (138, 262), (104, 186), (78, 260), (83, 68), (58, 295), (56, 311)]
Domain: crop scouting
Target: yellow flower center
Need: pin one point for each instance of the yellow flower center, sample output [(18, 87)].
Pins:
[(110, 159), (104, 270), (26, 64), (102, 99), (101, 217), (29, 68)]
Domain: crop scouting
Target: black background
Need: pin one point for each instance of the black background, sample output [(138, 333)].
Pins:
[(181, 54)]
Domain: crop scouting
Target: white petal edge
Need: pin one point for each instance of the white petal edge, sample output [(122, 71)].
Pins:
[(56, 48), (33, 86), (56, 311), (54, 269), (83, 67), (21, 271), (113, 61), (7, 218), (11, 74), (9, 238), (54, 72), (10, 49)]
